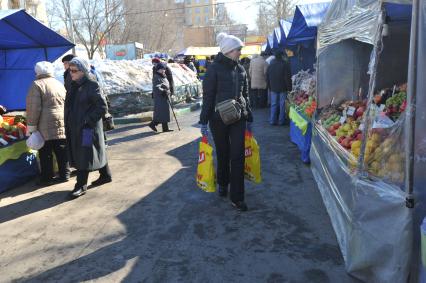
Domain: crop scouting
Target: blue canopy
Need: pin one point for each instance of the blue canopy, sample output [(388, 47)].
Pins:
[(305, 22), (285, 27), (269, 43), (24, 41), (278, 39)]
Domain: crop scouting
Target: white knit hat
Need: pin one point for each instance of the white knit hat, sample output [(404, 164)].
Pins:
[(44, 68), (81, 64), (227, 42)]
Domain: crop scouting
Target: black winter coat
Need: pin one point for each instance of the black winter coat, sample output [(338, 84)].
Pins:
[(84, 107), (224, 79), (67, 80), (278, 76), (160, 93)]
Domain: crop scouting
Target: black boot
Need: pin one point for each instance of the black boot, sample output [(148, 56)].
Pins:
[(152, 126), (78, 191), (165, 127), (240, 205), (101, 180)]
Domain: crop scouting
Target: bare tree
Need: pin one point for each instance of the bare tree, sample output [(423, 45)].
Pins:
[(154, 23), (271, 12), (92, 20)]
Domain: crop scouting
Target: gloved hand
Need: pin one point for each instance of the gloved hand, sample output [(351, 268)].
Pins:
[(204, 130), (248, 127)]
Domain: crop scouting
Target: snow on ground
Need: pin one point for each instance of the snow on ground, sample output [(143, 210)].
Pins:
[(125, 76)]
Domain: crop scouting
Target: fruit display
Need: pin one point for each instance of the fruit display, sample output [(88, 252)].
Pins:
[(12, 128), (383, 153), (305, 104), (302, 97)]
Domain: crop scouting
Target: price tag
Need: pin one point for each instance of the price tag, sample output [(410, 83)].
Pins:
[(342, 120), (351, 111)]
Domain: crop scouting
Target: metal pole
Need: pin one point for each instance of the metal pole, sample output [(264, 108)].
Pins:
[(71, 26), (410, 112)]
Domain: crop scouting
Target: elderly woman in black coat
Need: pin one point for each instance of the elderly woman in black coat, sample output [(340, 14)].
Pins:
[(160, 93), (85, 106)]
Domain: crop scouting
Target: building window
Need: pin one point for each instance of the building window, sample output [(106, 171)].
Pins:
[(197, 1), (189, 11), (189, 20), (197, 10), (207, 1), (206, 10), (197, 20), (188, 2), (207, 20)]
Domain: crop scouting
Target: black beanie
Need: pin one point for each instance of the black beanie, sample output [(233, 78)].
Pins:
[(67, 58)]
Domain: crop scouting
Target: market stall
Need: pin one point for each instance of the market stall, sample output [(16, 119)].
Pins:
[(358, 149), (415, 139), (24, 41), (300, 41)]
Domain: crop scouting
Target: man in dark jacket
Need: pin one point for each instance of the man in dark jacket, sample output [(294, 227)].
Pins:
[(278, 79), (84, 108), (226, 79), (67, 76), (169, 74)]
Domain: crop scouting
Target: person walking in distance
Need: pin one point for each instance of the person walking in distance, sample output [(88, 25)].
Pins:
[(161, 94), (257, 70), (84, 108), (45, 113), (226, 79), (67, 76), (278, 78)]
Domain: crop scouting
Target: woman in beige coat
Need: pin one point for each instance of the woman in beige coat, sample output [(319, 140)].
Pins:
[(45, 113)]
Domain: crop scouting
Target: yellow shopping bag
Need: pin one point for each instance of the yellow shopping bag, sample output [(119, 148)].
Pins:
[(206, 178), (252, 159)]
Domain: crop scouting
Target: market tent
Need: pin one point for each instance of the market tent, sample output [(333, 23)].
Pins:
[(358, 20), (24, 41), (305, 22), (367, 208), (278, 39)]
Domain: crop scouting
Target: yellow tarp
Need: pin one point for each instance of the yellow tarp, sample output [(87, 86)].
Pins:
[(13, 151), (298, 120)]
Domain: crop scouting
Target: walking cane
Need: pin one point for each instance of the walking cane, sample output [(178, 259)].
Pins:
[(173, 110)]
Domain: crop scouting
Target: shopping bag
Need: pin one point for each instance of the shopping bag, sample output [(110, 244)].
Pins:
[(35, 141), (252, 159), (206, 178)]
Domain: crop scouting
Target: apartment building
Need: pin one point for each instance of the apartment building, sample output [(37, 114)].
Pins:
[(36, 8), (200, 12)]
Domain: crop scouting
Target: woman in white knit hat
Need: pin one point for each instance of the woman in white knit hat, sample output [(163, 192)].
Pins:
[(226, 79), (45, 113)]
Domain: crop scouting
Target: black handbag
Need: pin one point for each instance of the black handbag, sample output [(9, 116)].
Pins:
[(108, 122)]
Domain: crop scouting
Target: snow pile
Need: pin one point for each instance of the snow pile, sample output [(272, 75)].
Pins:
[(126, 76)]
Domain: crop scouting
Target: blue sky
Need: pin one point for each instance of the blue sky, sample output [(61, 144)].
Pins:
[(245, 12)]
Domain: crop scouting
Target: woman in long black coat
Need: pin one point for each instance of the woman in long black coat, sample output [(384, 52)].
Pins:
[(161, 95), (84, 108)]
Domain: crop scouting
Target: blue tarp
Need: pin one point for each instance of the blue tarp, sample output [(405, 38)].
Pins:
[(24, 41), (305, 22), (14, 173), (302, 141)]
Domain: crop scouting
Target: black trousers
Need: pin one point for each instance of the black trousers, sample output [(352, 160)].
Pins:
[(229, 142), (259, 98), (83, 175), (46, 159)]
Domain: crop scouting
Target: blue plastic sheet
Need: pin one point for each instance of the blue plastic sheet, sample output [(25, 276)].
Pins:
[(303, 142), (24, 41), (14, 173)]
